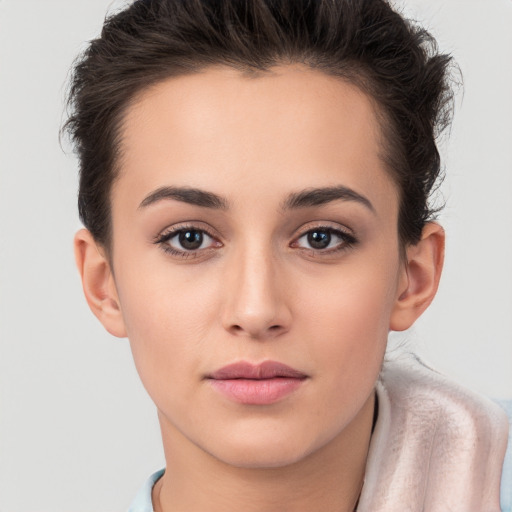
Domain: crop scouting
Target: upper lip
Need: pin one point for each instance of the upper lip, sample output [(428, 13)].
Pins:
[(265, 370)]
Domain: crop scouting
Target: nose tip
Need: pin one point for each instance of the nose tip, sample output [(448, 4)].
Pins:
[(256, 304)]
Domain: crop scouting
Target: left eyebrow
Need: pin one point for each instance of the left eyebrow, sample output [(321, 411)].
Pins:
[(188, 195), (321, 196)]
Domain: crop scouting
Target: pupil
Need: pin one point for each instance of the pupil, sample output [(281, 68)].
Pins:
[(190, 239), (319, 239)]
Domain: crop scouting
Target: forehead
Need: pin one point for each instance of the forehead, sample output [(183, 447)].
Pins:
[(225, 131)]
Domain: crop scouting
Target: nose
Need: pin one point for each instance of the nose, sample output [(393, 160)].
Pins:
[(256, 303)]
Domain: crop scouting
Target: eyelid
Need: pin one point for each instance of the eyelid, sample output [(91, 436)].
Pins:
[(326, 225), (183, 226)]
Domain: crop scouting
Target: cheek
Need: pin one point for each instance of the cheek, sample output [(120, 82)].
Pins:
[(167, 319), (347, 318)]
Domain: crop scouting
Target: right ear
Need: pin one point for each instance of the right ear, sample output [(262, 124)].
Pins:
[(98, 283)]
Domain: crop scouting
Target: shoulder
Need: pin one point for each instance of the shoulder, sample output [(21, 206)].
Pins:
[(427, 394), (506, 477), (435, 435)]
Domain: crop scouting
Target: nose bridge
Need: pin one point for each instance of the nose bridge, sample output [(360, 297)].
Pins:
[(255, 303)]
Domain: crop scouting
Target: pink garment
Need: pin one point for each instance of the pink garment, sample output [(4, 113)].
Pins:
[(437, 447)]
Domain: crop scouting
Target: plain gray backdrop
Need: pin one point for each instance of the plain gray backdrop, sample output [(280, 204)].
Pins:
[(77, 431)]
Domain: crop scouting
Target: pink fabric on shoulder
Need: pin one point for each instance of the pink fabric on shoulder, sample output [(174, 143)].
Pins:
[(436, 446)]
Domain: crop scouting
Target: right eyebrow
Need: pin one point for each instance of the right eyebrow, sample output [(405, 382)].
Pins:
[(194, 196), (325, 195)]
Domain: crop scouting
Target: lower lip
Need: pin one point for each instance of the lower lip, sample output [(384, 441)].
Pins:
[(257, 392)]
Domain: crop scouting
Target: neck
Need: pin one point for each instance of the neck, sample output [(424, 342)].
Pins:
[(330, 479)]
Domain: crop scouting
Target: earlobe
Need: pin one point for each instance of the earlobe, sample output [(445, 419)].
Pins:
[(420, 277), (98, 283)]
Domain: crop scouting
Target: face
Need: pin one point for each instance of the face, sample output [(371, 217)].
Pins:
[(255, 225)]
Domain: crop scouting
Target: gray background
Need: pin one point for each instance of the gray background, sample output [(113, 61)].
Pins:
[(77, 431)]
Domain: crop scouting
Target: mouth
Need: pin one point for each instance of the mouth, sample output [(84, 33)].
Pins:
[(261, 384)]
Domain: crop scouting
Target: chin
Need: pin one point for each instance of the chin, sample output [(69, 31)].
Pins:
[(262, 452), (260, 459)]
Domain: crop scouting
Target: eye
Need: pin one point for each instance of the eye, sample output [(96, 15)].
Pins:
[(324, 239), (186, 241), (189, 240)]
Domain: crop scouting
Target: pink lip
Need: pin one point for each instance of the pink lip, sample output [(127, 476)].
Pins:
[(260, 384)]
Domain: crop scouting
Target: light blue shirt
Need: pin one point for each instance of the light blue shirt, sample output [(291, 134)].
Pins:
[(142, 502)]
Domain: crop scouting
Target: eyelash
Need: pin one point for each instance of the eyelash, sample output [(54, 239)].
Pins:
[(163, 239)]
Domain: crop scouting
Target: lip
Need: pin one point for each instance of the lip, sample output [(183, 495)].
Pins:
[(256, 384)]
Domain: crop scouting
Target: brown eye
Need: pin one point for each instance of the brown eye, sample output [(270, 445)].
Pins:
[(324, 239), (187, 240), (190, 239), (319, 239)]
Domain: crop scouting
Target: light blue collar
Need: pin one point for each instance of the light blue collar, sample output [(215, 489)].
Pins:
[(142, 502)]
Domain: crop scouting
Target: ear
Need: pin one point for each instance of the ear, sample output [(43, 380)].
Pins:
[(420, 277), (98, 283)]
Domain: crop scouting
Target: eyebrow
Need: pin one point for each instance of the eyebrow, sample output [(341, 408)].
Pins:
[(188, 195), (321, 196), (297, 200)]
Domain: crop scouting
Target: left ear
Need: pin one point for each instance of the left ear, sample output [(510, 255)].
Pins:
[(420, 277), (98, 283)]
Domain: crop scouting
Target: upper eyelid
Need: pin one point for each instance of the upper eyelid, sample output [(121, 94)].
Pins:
[(331, 230), (176, 228), (334, 226)]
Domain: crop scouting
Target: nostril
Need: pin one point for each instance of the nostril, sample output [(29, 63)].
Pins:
[(273, 330)]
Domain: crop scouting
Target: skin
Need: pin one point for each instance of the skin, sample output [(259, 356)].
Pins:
[(256, 289)]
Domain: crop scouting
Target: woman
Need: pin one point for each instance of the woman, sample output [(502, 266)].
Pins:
[(254, 186)]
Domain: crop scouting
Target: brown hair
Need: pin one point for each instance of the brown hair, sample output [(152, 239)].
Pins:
[(364, 42)]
